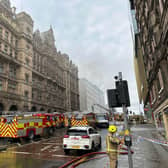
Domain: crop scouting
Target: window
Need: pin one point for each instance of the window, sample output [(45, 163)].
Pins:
[(12, 72), (1, 85), (11, 52), (15, 56), (1, 67), (40, 96), (26, 94), (160, 81), (6, 48), (27, 78), (33, 95), (11, 39), (11, 86), (1, 31), (161, 6), (91, 131), (27, 61), (76, 132), (6, 35), (153, 94)]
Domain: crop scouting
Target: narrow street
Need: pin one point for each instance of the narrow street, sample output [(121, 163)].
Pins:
[(48, 153)]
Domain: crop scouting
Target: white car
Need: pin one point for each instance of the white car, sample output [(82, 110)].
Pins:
[(81, 138), (102, 121)]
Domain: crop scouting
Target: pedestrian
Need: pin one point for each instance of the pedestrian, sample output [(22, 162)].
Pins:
[(112, 143)]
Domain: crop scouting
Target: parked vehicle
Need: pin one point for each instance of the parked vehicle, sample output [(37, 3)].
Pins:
[(81, 138), (27, 125), (102, 120), (91, 118)]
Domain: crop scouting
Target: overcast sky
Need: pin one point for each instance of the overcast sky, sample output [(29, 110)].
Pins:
[(95, 34)]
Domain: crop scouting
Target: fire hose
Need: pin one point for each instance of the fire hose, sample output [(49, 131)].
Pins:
[(89, 154)]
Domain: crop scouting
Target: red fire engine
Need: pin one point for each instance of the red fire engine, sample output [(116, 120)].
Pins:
[(27, 125)]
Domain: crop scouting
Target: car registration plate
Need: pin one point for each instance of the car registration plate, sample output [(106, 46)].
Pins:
[(75, 147)]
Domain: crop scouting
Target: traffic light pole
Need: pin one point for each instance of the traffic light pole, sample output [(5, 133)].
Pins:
[(130, 162)]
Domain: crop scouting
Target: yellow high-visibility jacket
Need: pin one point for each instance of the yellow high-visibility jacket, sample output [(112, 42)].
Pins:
[(112, 143)]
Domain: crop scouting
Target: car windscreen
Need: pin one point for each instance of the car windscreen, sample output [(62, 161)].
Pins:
[(100, 117), (76, 132)]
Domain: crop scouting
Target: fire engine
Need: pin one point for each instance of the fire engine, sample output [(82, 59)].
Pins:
[(27, 125), (78, 120), (90, 117)]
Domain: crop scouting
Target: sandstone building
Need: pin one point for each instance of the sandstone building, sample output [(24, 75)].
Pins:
[(151, 52), (34, 76)]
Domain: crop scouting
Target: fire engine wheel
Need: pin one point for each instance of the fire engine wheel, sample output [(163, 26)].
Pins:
[(51, 131), (66, 151), (31, 135), (45, 132)]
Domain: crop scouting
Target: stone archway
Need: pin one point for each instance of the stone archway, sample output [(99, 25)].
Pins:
[(1, 108), (33, 109), (42, 109), (13, 108), (49, 111)]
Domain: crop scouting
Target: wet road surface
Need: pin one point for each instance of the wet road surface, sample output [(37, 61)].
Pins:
[(45, 153), (48, 153)]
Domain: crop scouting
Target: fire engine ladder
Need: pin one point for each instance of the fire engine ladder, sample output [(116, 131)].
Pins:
[(110, 111)]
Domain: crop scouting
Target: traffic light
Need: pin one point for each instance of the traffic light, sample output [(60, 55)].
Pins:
[(123, 94), (119, 96), (112, 96)]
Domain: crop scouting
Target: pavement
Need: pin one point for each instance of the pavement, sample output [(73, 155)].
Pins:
[(146, 154)]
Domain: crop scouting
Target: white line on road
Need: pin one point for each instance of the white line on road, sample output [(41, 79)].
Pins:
[(60, 155), (46, 147), (56, 148), (50, 143)]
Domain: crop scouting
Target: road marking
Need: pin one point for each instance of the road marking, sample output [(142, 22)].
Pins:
[(25, 153), (56, 148), (48, 143), (46, 147), (60, 155)]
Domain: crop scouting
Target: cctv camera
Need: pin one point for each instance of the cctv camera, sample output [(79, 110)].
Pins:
[(115, 77)]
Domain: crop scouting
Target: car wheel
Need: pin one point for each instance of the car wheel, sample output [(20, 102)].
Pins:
[(100, 144), (66, 151), (93, 147)]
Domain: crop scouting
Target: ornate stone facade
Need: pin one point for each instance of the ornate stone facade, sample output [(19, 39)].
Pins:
[(34, 76)]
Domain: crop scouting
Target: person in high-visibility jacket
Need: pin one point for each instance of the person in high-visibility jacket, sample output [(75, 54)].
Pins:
[(66, 122), (112, 143)]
